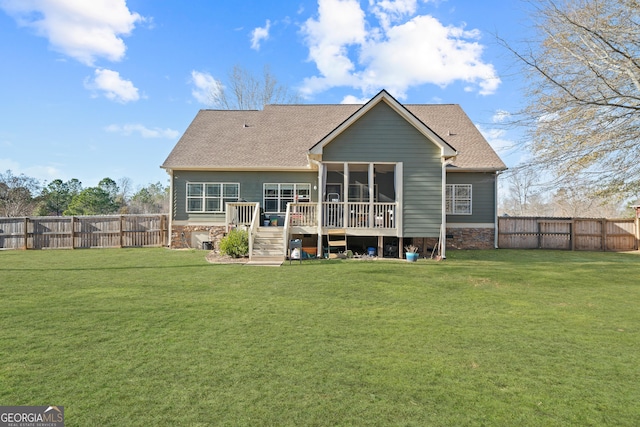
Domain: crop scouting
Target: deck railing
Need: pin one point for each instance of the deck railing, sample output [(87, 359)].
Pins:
[(358, 215), (253, 227), (240, 214), (334, 215), (303, 214)]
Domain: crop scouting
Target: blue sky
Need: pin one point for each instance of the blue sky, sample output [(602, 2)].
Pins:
[(105, 88)]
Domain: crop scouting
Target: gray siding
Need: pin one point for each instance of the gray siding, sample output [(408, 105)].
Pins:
[(250, 188), (383, 136), (483, 197)]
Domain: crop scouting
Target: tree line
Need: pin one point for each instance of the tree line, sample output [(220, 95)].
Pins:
[(21, 195)]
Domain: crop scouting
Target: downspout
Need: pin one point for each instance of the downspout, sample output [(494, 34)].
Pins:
[(171, 196), (319, 206), (443, 226), (495, 213)]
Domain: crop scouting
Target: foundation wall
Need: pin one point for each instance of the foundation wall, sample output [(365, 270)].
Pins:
[(181, 235), (459, 238)]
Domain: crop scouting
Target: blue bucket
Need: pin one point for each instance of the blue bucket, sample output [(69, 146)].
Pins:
[(371, 251), (411, 256)]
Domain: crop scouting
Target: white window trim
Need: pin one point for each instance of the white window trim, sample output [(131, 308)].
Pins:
[(279, 196), (452, 205), (204, 196)]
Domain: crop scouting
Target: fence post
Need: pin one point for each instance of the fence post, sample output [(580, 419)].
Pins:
[(73, 232), (121, 230), (26, 233), (572, 234), (604, 234), (164, 233), (539, 235)]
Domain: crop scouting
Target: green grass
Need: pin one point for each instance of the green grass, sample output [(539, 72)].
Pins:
[(144, 337)]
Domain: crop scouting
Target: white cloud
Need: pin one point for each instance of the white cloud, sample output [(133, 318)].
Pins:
[(113, 86), (39, 172), (401, 52), (8, 164), (143, 131), (497, 139), (259, 34), (350, 99), (82, 29), (389, 11), (340, 24), (500, 116), (204, 84)]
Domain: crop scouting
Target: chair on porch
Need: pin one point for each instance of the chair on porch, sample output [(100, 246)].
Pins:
[(336, 240)]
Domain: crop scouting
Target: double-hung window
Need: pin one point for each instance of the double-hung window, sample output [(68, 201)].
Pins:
[(458, 199), (210, 196), (276, 196)]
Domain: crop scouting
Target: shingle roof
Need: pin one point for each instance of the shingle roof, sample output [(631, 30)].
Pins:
[(280, 136)]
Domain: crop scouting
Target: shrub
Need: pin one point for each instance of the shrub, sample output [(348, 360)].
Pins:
[(235, 244)]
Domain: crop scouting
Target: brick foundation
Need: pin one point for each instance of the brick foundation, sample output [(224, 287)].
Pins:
[(471, 238), (458, 238), (181, 235)]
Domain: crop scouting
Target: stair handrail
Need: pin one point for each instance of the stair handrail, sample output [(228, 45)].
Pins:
[(287, 220), (252, 227)]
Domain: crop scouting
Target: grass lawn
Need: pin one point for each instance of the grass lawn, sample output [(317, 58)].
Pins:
[(146, 337)]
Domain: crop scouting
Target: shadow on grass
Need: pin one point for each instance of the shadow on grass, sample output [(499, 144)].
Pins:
[(105, 268)]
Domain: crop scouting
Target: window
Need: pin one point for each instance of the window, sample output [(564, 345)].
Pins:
[(210, 197), (458, 199), (276, 196)]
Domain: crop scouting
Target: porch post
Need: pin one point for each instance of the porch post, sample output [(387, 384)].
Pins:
[(319, 216), (345, 196), (399, 199), (371, 195)]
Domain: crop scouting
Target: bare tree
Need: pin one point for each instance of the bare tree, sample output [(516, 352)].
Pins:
[(583, 92), (245, 91), (523, 196), (125, 184), (578, 202), (17, 194)]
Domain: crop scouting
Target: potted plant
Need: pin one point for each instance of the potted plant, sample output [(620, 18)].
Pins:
[(411, 253)]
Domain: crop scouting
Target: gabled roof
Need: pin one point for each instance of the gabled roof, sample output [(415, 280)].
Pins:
[(383, 96), (281, 137)]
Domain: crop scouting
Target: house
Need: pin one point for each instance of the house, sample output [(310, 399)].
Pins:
[(383, 174)]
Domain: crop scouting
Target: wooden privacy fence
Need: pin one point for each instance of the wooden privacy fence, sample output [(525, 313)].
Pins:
[(580, 234), (56, 232)]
